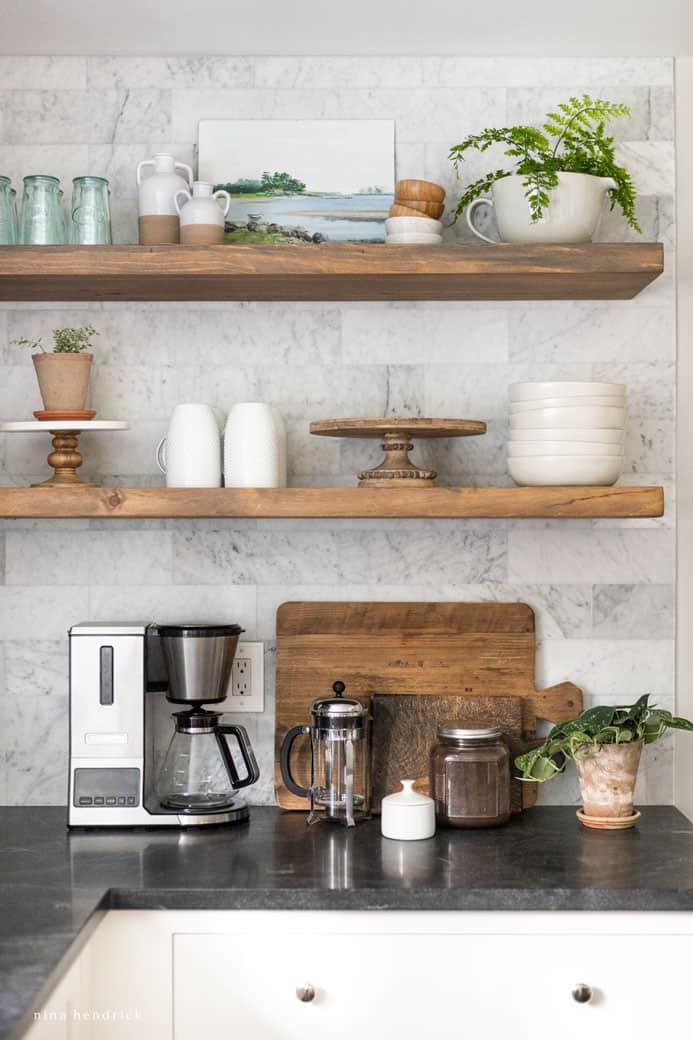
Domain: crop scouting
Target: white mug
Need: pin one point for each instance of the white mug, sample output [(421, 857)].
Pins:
[(190, 453), (254, 447)]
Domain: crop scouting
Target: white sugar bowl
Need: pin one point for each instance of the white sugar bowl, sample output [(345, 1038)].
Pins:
[(201, 217), (407, 815)]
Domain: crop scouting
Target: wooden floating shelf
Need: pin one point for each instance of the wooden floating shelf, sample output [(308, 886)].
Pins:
[(439, 502), (600, 271)]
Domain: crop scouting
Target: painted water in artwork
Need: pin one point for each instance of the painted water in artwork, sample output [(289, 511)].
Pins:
[(316, 180)]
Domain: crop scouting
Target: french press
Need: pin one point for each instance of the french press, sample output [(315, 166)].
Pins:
[(338, 759)]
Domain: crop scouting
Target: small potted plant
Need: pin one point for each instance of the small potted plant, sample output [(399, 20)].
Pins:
[(63, 373), (561, 174), (605, 743)]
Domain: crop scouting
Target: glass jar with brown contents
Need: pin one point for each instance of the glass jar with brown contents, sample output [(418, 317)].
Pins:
[(470, 776)]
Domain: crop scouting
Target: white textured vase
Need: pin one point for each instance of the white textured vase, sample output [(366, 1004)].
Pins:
[(253, 447)]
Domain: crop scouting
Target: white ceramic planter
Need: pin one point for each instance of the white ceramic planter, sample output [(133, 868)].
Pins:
[(572, 214)]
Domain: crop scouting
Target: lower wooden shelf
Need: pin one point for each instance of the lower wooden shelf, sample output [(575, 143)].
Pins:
[(439, 502)]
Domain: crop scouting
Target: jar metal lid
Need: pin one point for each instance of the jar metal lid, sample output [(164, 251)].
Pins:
[(469, 731)]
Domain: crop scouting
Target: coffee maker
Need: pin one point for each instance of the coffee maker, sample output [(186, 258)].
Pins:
[(127, 767)]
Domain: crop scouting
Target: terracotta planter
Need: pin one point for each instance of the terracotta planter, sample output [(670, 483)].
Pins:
[(63, 380), (607, 779)]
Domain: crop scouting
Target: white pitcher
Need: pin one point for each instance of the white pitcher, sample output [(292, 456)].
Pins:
[(201, 218), (254, 452), (158, 219), (190, 453), (572, 215)]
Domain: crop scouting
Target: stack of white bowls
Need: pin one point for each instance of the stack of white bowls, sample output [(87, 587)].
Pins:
[(566, 433), (413, 231)]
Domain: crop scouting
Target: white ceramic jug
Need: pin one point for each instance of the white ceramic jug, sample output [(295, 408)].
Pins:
[(190, 453), (158, 219), (201, 218), (253, 452), (572, 214)]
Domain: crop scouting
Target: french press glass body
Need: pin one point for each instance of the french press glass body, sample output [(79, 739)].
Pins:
[(339, 735)]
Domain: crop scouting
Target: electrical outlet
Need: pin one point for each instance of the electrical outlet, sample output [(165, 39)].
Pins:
[(247, 690)]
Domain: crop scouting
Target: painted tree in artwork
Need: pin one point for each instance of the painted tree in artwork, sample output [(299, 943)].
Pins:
[(281, 182)]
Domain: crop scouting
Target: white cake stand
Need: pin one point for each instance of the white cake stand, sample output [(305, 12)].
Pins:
[(64, 458)]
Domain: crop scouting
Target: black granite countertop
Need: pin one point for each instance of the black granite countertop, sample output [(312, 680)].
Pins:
[(55, 884)]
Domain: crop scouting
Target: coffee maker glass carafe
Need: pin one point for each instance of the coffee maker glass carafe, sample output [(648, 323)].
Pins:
[(339, 759), (198, 773)]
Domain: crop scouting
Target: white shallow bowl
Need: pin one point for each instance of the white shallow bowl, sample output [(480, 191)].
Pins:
[(535, 391), (525, 449), (585, 436), (410, 239), (590, 416), (567, 402), (419, 225), (566, 470)]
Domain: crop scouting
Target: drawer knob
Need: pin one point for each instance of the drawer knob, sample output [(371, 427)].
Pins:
[(305, 993), (582, 993)]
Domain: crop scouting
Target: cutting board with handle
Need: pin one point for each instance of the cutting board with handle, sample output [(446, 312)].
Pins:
[(422, 649)]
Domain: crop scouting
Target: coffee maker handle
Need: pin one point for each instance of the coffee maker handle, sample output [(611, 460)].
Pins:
[(239, 732), (285, 761)]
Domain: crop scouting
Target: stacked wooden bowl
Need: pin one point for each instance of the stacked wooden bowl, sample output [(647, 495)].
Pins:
[(414, 217)]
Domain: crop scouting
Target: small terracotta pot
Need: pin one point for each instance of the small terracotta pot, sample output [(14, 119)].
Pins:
[(63, 380), (607, 778)]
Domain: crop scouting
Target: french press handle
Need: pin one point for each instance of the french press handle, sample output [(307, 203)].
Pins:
[(285, 761), (247, 754)]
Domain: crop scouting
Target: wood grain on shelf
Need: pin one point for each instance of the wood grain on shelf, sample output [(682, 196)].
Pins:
[(425, 649), (618, 270), (438, 502)]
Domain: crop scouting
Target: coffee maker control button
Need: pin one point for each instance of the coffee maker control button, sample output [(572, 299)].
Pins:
[(110, 800), (85, 801), (98, 801), (132, 801), (121, 800)]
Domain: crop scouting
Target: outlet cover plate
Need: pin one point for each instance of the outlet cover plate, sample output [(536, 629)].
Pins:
[(247, 689)]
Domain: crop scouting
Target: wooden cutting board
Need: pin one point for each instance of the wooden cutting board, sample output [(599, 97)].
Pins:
[(426, 649), (405, 728)]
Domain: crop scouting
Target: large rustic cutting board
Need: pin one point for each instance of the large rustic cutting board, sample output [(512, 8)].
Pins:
[(443, 649)]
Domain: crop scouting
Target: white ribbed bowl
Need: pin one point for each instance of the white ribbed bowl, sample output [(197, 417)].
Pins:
[(527, 449), (585, 436), (566, 470), (412, 239), (417, 225), (567, 402), (559, 388), (587, 417)]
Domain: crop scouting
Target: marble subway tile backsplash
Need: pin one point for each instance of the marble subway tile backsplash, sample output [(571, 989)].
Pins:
[(602, 591)]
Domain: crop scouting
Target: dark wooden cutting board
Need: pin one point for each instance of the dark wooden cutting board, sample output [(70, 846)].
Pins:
[(404, 730), (427, 649)]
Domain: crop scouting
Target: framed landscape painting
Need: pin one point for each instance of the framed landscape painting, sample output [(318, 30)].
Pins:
[(301, 180)]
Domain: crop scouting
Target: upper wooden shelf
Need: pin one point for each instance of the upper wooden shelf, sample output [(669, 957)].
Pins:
[(601, 271), (439, 502)]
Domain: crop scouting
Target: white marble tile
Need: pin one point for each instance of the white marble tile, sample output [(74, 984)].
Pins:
[(633, 611), (118, 162), (200, 603), (140, 392), (593, 332), (481, 391), (35, 722), (529, 106), (599, 555), (443, 335), (650, 164), (85, 117), (196, 72), (45, 611), (650, 385), (282, 73), (51, 72), (47, 557), (619, 669), (531, 72), (649, 446), (58, 160), (341, 555), (661, 113)]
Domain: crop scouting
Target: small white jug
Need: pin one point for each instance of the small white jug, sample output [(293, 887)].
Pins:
[(201, 219), (254, 452), (190, 453)]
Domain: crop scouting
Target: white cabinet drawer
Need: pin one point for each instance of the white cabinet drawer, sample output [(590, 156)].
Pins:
[(371, 985)]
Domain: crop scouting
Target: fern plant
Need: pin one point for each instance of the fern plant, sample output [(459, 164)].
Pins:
[(571, 140)]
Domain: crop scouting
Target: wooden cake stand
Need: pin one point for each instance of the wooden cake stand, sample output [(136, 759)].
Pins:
[(64, 458), (397, 469)]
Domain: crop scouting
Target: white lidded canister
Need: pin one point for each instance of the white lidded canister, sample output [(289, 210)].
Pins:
[(201, 216), (158, 219), (407, 815)]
